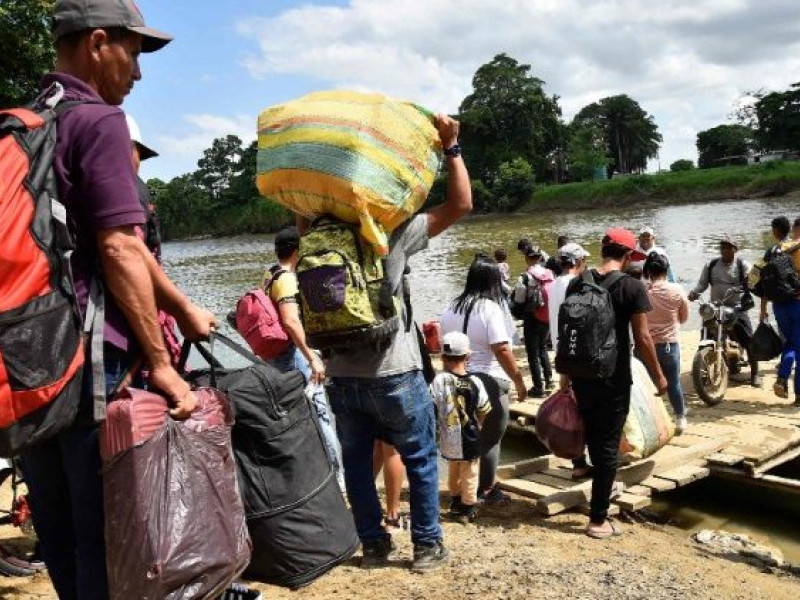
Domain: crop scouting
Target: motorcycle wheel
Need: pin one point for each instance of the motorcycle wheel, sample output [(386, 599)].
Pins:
[(18, 552), (710, 376)]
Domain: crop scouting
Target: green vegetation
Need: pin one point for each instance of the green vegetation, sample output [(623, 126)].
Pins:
[(769, 179), (682, 164), (26, 48)]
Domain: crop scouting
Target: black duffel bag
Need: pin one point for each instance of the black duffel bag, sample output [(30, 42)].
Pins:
[(298, 521), (766, 344)]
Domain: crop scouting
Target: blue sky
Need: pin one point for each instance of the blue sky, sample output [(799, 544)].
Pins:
[(685, 62)]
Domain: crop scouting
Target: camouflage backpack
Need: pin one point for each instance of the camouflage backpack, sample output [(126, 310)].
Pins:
[(345, 302)]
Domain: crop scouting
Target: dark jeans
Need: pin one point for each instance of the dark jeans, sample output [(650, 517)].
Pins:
[(742, 333), (492, 432), (66, 494), (604, 407), (788, 316), (669, 358), (399, 407), (536, 334)]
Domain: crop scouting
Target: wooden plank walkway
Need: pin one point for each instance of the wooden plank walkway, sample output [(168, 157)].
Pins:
[(743, 438)]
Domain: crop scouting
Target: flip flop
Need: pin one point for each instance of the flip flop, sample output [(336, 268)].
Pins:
[(616, 490), (602, 535)]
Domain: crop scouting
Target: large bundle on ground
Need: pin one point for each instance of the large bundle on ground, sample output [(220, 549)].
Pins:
[(649, 426), (363, 158), (174, 522), (298, 520)]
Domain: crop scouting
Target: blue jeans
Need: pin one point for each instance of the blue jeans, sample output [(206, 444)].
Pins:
[(293, 359), (401, 409), (788, 316), (669, 357), (66, 494)]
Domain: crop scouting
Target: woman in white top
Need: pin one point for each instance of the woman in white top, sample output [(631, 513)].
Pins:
[(481, 312)]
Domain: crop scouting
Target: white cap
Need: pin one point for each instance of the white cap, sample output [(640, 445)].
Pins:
[(455, 343), (572, 252), (647, 231), (136, 138)]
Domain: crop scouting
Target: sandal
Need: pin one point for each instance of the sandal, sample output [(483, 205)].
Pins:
[(582, 473), (603, 535)]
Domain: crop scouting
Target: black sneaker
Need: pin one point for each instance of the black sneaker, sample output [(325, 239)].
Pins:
[(428, 558), (467, 514), (549, 385), (376, 554), (536, 393), (239, 592), (455, 505), (494, 497)]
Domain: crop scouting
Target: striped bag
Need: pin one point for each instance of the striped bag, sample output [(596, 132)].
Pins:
[(648, 427), (363, 158)]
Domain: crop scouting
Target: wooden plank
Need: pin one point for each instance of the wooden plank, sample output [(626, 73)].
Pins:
[(525, 467), (632, 502), (762, 467), (528, 489), (686, 474), (581, 492), (659, 485), (724, 459), (640, 490), (671, 457), (687, 440), (556, 482), (563, 473)]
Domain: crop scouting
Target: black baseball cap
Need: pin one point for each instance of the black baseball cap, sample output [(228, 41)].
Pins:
[(70, 16), (287, 238)]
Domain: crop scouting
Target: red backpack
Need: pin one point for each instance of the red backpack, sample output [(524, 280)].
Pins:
[(259, 323), (41, 348)]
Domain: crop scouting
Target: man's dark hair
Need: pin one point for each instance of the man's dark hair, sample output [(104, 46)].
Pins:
[(797, 222), (483, 282), (562, 241), (72, 40), (500, 255), (782, 226), (524, 244), (613, 251), (284, 251)]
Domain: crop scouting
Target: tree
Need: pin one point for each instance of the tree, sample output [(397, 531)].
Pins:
[(26, 49), (682, 164), (723, 141), (631, 135), (243, 185), (778, 117), (586, 151), (508, 116), (219, 166), (183, 206), (513, 184)]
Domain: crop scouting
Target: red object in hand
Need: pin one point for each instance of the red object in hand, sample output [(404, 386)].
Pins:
[(433, 336), (560, 426), (21, 513)]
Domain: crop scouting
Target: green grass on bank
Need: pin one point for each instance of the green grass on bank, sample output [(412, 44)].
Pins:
[(769, 179)]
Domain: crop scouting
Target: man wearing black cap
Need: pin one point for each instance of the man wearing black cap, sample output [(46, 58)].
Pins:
[(98, 43)]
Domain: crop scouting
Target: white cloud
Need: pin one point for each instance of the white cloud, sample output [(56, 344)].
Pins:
[(685, 62), (204, 129)]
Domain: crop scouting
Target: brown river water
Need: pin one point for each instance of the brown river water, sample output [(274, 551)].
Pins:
[(215, 272)]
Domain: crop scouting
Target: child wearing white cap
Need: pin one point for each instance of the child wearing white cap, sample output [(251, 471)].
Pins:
[(461, 404)]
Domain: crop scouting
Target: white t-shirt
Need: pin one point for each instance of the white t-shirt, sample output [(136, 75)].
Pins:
[(558, 292), (489, 323)]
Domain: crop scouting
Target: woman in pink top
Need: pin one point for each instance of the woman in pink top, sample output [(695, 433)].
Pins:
[(670, 311)]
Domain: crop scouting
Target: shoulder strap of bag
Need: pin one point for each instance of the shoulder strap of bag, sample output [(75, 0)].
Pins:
[(612, 279)]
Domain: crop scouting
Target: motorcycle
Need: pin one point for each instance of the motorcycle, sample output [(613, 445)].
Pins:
[(18, 544), (717, 356)]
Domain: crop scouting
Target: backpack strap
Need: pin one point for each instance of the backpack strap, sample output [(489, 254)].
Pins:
[(94, 330), (612, 279)]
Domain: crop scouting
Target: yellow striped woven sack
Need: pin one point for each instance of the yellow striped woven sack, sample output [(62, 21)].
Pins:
[(648, 427), (363, 158)]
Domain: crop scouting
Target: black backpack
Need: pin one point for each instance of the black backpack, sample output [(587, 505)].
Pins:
[(534, 298), (779, 280), (587, 338)]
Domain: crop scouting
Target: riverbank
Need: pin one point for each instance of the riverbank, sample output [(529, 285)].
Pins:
[(774, 179)]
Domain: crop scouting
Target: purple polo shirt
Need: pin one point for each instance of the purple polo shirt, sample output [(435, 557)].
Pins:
[(96, 183)]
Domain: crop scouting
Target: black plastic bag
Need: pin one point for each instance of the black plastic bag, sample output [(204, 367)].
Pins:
[(766, 344)]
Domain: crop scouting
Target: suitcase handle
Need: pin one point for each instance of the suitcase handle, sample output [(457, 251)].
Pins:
[(208, 353)]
